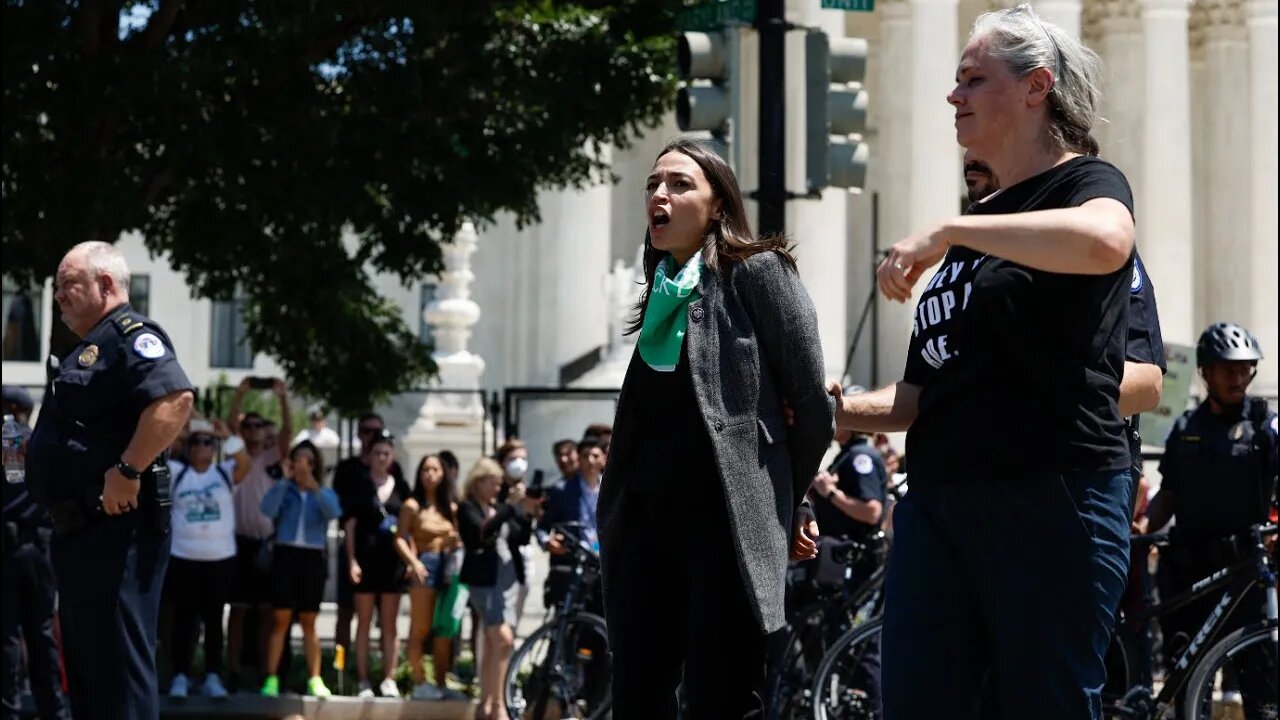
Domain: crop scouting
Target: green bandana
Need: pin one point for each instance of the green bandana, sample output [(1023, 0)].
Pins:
[(665, 317)]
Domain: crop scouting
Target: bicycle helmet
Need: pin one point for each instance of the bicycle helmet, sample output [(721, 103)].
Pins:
[(1226, 341)]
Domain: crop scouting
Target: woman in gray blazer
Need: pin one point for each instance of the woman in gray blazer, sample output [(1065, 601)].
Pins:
[(699, 504)]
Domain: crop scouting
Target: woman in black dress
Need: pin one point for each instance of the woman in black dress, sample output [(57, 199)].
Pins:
[(378, 555)]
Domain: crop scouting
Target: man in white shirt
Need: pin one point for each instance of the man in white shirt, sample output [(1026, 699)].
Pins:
[(320, 434)]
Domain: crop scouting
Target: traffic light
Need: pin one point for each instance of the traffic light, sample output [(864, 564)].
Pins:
[(704, 101), (836, 111)]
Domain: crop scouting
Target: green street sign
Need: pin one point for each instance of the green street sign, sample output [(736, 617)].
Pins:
[(715, 14), (850, 5)]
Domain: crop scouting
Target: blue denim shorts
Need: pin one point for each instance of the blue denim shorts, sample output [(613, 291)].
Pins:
[(438, 567)]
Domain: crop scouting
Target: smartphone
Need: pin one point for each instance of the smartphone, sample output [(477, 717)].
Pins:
[(535, 484), (261, 383)]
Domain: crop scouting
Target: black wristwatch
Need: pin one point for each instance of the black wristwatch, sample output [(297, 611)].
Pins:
[(128, 470)]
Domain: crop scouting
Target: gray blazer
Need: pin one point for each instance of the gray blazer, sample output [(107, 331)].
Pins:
[(752, 341)]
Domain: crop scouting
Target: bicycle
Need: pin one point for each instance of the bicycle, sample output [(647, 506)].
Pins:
[(831, 614), (1196, 671), (562, 670), (1195, 674)]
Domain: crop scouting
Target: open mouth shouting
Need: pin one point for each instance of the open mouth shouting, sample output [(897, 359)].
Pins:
[(658, 220)]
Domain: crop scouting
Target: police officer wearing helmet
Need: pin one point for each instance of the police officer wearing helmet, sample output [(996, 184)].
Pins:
[(28, 589), (112, 407), (1218, 476)]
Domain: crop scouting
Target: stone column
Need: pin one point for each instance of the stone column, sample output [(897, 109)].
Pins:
[(1227, 255), (448, 419), (1063, 13), (936, 185), (1262, 144), (1164, 198), (1202, 188), (1120, 46), (893, 137)]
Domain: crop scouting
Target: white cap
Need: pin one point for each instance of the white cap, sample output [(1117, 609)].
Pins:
[(198, 425)]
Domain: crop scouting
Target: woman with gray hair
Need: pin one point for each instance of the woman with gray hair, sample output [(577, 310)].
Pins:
[(1007, 565)]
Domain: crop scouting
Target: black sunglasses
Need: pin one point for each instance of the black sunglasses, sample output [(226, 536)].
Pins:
[(203, 440), (252, 424)]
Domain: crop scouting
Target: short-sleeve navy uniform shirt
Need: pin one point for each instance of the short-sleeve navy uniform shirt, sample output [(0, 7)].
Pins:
[(121, 366)]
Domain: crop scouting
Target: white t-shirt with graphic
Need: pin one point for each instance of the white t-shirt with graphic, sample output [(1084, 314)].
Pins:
[(204, 516)]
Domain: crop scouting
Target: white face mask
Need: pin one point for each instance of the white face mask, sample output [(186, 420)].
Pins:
[(517, 467)]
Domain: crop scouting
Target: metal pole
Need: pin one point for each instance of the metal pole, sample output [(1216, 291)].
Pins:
[(772, 26)]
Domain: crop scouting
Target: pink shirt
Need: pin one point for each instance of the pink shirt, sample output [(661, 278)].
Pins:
[(250, 522)]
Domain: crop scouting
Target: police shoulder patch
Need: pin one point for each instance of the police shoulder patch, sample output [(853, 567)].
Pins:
[(149, 346), (1135, 285), (1273, 425), (863, 465)]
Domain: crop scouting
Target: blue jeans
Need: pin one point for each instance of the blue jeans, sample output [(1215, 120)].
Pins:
[(1011, 582)]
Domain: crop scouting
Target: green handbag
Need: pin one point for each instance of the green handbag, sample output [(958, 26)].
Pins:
[(450, 607)]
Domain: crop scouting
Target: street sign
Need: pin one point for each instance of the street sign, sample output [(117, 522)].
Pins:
[(849, 5), (716, 14), (1176, 391)]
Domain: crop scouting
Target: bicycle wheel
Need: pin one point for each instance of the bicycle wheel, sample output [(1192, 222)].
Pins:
[(1253, 652), (847, 684), (553, 675)]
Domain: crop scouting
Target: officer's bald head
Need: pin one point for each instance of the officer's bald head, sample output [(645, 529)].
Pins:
[(92, 280)]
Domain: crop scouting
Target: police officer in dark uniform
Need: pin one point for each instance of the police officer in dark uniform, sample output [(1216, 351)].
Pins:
[(112, 407), (28, 589), (1218, 477), (851, 493), (848, 502)]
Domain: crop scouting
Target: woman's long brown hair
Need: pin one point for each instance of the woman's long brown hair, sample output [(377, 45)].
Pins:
[(727, 240)]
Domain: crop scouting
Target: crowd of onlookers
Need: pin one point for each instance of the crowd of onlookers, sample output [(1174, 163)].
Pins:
[(253, 508)]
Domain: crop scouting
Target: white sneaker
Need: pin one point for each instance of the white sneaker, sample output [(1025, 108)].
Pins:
[(1232, 697), (388, 688), (427, 691), (213, 687), (366, 690), (179, 687)]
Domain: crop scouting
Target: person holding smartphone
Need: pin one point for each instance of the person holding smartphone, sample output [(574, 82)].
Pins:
[(251, 586)]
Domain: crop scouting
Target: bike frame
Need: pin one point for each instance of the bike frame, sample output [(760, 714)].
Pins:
[(564, 612), (1236, 581), (815, 613)]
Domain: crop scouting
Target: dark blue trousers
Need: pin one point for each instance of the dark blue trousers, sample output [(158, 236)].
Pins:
[(110, 575), (28, 594), (1011, 581)]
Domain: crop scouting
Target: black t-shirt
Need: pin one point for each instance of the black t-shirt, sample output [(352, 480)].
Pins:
[(860, 474), (376, 521), (944, 299), (1033, 359), (351, 475)]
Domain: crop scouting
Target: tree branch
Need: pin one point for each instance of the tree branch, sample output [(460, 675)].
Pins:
[(161, 23), (90, 18), (159, 183)]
